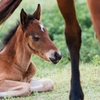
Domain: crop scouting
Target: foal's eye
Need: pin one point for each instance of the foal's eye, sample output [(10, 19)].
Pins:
[(35, 38)]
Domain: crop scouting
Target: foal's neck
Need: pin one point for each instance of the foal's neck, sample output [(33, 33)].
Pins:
[(15, 52), (22, 55)]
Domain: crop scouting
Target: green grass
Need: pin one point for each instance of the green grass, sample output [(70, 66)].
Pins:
[(60, 74)]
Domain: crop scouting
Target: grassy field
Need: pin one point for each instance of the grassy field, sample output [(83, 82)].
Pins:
[(60, 73)]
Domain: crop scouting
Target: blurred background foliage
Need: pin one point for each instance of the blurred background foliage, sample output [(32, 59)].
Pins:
[(54, 22)]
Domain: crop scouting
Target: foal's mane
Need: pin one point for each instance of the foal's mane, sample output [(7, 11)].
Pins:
[(10, 34), (12, 31)]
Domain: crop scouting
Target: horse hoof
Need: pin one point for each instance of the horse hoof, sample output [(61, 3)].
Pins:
[(76, 95)]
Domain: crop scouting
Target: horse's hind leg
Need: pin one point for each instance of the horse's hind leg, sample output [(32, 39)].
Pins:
[(42, 85), (7, 7), (94, 8), (74, 43), (14, 88), (73, 40)]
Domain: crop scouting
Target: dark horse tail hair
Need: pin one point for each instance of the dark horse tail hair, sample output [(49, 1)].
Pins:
[(7, 7)]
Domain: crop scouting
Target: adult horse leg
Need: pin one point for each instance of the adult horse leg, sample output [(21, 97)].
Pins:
[(73, 41), (94, 8), (7, 7)]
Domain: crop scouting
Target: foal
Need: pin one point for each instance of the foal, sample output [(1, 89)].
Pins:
[(16, 69)]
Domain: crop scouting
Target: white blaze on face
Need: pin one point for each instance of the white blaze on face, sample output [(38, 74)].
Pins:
[(42, 27)]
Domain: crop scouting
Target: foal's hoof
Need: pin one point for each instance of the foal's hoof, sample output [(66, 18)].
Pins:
[(42, 85), (48, 84)]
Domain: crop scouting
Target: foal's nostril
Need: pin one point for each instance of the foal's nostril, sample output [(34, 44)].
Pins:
[(57, 56)]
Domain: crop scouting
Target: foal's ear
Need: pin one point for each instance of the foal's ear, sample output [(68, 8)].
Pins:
[(23, 18), (37, 13)]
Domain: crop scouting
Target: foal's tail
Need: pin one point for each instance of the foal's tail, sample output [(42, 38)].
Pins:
[(7, 7)]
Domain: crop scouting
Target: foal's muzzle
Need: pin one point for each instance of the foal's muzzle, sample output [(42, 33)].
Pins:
[(56, 58)]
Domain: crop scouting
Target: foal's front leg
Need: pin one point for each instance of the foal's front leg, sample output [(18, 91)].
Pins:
[(14, 88), (30, 73), (41, 85)]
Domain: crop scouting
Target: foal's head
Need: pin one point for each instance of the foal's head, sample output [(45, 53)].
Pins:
[(36, 37)]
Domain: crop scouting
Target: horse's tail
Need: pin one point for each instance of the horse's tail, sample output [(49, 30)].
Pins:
[(7, 7)]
